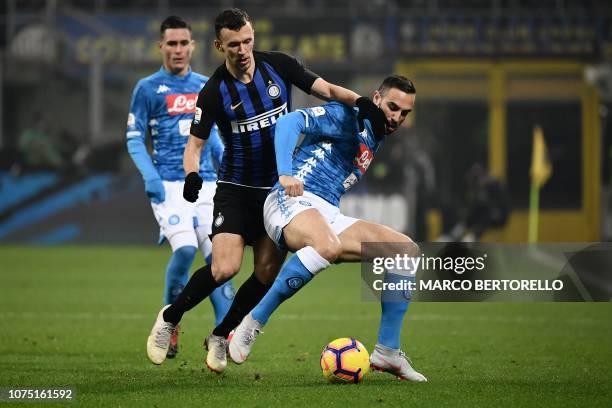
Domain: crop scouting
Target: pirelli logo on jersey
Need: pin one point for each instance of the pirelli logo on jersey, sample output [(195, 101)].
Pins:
[(179, 104), (261, 121)]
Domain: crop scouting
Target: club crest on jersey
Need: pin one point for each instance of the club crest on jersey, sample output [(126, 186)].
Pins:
[(260, 121), (274, 91)]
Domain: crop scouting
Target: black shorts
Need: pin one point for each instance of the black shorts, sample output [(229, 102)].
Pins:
[(239, 210)]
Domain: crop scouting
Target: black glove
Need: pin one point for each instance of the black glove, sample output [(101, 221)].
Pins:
[(371, 112), (193, 184)]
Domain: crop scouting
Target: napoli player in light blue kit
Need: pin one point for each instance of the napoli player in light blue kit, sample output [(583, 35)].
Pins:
[(163, 105), (302, 213)]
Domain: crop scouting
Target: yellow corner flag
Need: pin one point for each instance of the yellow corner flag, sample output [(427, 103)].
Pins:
[(541, 169)]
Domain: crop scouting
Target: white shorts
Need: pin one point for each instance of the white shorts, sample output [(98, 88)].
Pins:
[(177, 215), (280, 209)]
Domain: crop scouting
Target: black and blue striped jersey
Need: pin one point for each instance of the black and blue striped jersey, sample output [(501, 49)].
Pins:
[(246, 115)]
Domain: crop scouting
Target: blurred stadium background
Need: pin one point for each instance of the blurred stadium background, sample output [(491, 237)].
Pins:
[(486, 73)]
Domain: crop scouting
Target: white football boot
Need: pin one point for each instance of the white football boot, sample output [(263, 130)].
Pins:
[(243, 339), (395, 362), (216, 359), (159, 339)]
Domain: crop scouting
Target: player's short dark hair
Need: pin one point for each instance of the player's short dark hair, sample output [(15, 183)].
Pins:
[(397, 81), (173, 22), (232, 19)]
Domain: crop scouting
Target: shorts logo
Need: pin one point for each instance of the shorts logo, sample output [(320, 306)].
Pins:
[(318, 110), (295, 283), (305, 203), (219, 220), (174, 219), (131, 121), (274, 91)]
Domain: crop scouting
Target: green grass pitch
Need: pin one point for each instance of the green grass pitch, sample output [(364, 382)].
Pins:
[(79, 317)]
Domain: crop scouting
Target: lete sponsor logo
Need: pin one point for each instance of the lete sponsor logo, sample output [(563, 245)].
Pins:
[(179, 104), (363, 158)]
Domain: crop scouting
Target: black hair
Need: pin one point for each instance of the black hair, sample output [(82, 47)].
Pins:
[(173, 22), (233, 19), (397, 81)]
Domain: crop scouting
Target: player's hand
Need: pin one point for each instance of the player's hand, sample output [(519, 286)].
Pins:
[(293, 187), (155, 190), (191, 189), (371, 112)]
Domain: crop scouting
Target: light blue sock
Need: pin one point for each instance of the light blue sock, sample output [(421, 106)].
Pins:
[(299, 269), (177, 272), (394, 305), (221, 298)]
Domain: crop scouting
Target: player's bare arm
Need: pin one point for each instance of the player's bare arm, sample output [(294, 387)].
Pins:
[(368, 109), (191, 156), (330, 92)]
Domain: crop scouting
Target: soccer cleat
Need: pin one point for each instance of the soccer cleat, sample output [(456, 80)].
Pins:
[(216, 359), (159, 339), (174, 347), (394, 362), (243, 339)]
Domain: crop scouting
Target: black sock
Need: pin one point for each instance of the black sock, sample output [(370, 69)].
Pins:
[(247, 297), (200, 286)]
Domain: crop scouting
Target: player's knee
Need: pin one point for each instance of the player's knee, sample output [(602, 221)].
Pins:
[(329, 248), (185, 254), (409, 247), (266, 273), (223, 271)]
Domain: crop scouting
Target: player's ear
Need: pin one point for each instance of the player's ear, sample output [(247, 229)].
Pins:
[(376, 98), (218, 45)]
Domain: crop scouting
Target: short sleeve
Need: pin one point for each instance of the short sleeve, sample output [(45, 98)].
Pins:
[(293, 70), (207, 107)]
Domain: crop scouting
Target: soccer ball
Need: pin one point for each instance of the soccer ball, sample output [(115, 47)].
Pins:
[(345, 360)]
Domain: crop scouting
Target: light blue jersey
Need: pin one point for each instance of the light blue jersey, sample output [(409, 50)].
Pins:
[(164, 105), (334, 155)]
